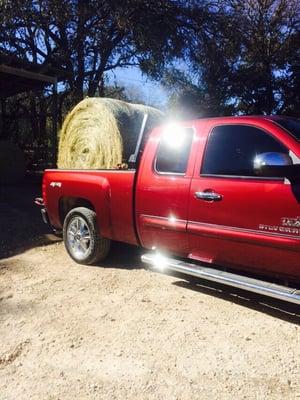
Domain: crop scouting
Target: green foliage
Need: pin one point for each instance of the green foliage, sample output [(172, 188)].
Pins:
[(244, 58), (216, 57), (267, 32), (86, 39)]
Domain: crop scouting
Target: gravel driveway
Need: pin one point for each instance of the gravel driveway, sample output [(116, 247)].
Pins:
[(118, 331)]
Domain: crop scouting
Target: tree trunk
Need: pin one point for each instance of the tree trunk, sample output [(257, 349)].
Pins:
[(270, 102), (3, 129), (79, 84)]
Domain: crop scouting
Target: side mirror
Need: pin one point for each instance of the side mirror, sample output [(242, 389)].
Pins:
[(273, 165)]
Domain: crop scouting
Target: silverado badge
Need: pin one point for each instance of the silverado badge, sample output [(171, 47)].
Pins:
[(288, 225)]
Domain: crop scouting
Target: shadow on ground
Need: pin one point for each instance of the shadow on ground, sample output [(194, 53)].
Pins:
[(21, 226), (123, 256), (288, 312), (129, 257)]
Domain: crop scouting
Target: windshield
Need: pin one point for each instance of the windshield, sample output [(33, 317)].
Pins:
[(292, 125)]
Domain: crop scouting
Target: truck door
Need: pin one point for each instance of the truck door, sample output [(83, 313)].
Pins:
[(236, 218), (163, 189)]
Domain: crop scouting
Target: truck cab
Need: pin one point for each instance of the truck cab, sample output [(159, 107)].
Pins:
[(213, 206)]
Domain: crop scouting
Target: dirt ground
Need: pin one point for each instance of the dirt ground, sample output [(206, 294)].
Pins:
[(119, 331)]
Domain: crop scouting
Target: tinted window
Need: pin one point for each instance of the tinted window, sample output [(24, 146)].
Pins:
[(292, 125), (231, 150), (173, 151)]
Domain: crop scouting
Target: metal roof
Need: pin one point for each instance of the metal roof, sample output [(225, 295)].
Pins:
[(18, 76)]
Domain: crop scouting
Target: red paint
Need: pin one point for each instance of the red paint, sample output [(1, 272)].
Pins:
[(169, 217), (110, 193)]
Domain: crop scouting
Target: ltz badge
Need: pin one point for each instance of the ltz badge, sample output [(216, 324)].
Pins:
[(294, 222)]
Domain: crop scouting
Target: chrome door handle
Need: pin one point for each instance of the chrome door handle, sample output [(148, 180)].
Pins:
[(208, 196)]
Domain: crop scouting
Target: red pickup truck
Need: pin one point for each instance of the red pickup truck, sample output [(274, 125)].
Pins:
[(205, 197)]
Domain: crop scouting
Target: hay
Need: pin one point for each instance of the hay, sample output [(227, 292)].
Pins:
[(102, 133), (12, 163)]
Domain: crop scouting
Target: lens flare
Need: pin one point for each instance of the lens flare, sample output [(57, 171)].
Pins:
[(160, 261), (174, 136)]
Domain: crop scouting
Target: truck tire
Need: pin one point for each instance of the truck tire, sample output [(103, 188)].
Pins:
[(82, 238)]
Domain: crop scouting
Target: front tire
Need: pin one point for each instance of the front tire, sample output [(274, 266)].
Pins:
[(82, 238)]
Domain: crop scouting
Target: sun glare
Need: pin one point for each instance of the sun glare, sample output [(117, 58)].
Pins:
[(174, 135)]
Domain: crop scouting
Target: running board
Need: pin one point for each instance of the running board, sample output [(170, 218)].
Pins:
[(162, 263)]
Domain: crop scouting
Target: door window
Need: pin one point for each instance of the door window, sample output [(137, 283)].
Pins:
[(291, 125), (231, 150), (173, 151)]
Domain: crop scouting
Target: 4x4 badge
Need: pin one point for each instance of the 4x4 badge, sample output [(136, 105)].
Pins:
[(55, 184)]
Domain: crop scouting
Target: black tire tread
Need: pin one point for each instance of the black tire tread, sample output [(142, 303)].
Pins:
[(101, 245)]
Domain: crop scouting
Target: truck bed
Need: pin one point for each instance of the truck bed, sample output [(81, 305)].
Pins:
[(109, 192)]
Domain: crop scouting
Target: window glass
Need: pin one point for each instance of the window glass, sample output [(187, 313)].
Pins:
[(292, 125), (231, 150), (174, 150)]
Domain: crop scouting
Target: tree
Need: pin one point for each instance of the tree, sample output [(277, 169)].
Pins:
[(290, 80), (238, 56), (212, 55), (244, 58), (86, 39), (266, 30)]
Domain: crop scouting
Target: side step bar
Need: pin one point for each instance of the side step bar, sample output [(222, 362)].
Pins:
[(162, 263)]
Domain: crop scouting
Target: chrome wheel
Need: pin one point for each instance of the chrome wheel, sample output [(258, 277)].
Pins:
[(82, 238), (78, 237)]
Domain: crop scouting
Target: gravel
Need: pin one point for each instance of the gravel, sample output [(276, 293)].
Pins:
[(119, 331), (107, 332)]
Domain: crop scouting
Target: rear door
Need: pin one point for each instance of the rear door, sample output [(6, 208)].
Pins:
[(235, 217), (163, 189)]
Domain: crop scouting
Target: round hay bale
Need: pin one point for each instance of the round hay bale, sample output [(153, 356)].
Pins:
[(102, 133), (12, 163)]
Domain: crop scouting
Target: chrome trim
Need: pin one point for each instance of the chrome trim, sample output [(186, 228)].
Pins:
[(168, 223), (245, 230), (241, 177), (208, 196), (272, 159), (183, 174), (226, 278), (163, 218), (90, 170), (224, 227)]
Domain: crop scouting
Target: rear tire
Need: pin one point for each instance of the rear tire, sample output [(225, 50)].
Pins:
[(82, 238)]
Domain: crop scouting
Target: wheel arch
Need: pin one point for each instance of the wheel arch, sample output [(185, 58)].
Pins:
[(67, 203)]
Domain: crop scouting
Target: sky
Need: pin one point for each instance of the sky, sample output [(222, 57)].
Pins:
[(151, 92)]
